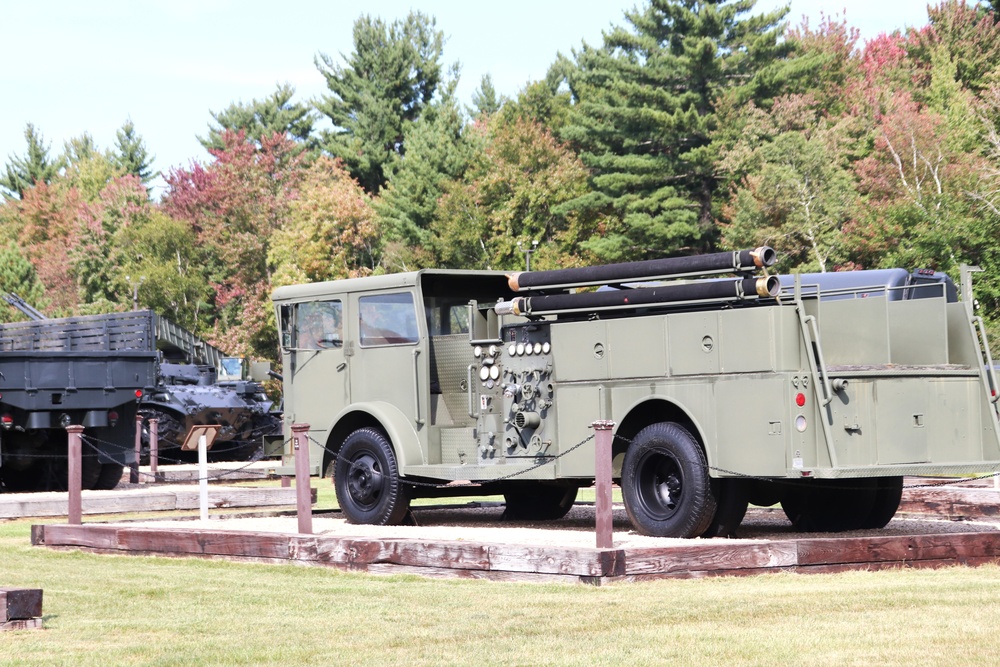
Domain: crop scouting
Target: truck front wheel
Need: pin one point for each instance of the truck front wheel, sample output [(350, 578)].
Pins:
[(665, 483), (367, 481)]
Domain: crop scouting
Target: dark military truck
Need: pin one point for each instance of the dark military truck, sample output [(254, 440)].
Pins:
[(818, 393), (89, 371)]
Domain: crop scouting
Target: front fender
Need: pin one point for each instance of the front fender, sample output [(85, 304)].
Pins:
[(397, 426)]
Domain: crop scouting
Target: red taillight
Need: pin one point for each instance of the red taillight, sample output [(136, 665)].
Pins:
[(138, 393), (6, 421), (112, 418), (800, 399)]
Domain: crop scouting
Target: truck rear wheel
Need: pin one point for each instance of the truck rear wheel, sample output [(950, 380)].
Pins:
[(367, 481), (665, 483), (888, 493), (731, 506), (538, 502), (830, 505)]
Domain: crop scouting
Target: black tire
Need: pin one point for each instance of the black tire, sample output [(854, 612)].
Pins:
[(111, 475), (367, 481), (731, 506), (23, 478), (665, 483), (888, 493), (538, 502), (830, 505)]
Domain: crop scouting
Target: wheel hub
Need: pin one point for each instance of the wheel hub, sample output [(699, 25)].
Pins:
[(365, 480)]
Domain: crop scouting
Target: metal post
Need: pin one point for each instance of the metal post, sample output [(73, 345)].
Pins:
[(203, 475), (154, 449), (602, 481), (75, 469), (303, 491), (133, 475)]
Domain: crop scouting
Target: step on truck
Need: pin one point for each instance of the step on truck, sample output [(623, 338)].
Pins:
[(817, 392), (87, 370)]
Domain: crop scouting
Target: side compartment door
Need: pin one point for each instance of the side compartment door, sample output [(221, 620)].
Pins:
[(315, 351)]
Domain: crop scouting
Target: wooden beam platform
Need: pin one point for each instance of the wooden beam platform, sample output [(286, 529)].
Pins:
[(521, 562), (20, 608), (145, 499)]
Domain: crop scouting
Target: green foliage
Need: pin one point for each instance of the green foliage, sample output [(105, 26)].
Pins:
[(18, 275), (645, 113), (485, 100), (88, 169), (275, 114), (22, 172), (793, 188), (131, 156), (436, 153), (388, 80), (330, 232), (512, 192)]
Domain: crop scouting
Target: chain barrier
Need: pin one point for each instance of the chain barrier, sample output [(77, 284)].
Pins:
[(256, 457), (451, 485)]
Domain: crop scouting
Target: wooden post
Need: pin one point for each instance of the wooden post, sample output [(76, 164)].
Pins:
[(602, 481), (133, 475), (154, 449), (303, 490), (75, 454)]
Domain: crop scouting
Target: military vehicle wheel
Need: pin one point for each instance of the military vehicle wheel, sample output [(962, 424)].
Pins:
[(111, 475), (538, 502), (731, 506), (830, 505), (367, 481), (665, 483), (888, 493), (21, 478)]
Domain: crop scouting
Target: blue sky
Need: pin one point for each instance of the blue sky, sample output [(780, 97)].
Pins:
[(72, 67)]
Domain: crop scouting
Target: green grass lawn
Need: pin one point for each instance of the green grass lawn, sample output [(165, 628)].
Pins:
[(129, 610)]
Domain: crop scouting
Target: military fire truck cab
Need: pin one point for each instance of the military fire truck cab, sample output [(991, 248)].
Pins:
[(723, 392)]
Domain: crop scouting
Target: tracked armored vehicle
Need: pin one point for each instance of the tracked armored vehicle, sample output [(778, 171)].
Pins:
[(818, 393)]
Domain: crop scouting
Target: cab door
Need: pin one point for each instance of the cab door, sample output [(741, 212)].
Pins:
[(390, 362), (315, 351)]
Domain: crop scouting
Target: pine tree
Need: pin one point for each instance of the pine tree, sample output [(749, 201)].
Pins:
[(485, 100), (35, 167), (275, 114), (644, 115), (132, 157), (388, 80), (436, 153)]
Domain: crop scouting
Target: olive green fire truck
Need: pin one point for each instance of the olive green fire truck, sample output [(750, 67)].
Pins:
[(818, 392)]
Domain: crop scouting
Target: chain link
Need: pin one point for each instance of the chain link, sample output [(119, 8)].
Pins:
[(451, 485)]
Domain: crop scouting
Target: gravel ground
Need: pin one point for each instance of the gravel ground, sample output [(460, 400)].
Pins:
[(484, 524)]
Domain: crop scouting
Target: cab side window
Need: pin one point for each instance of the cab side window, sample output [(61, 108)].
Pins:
[(319, 325), (387, 319)]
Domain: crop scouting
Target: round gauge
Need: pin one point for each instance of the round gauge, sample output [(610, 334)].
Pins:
[(529, 348), (511, 350), (477, 352), (520, 349), (538, 348), (484, 373), (493, 351), (546, 348), (494, 372)]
